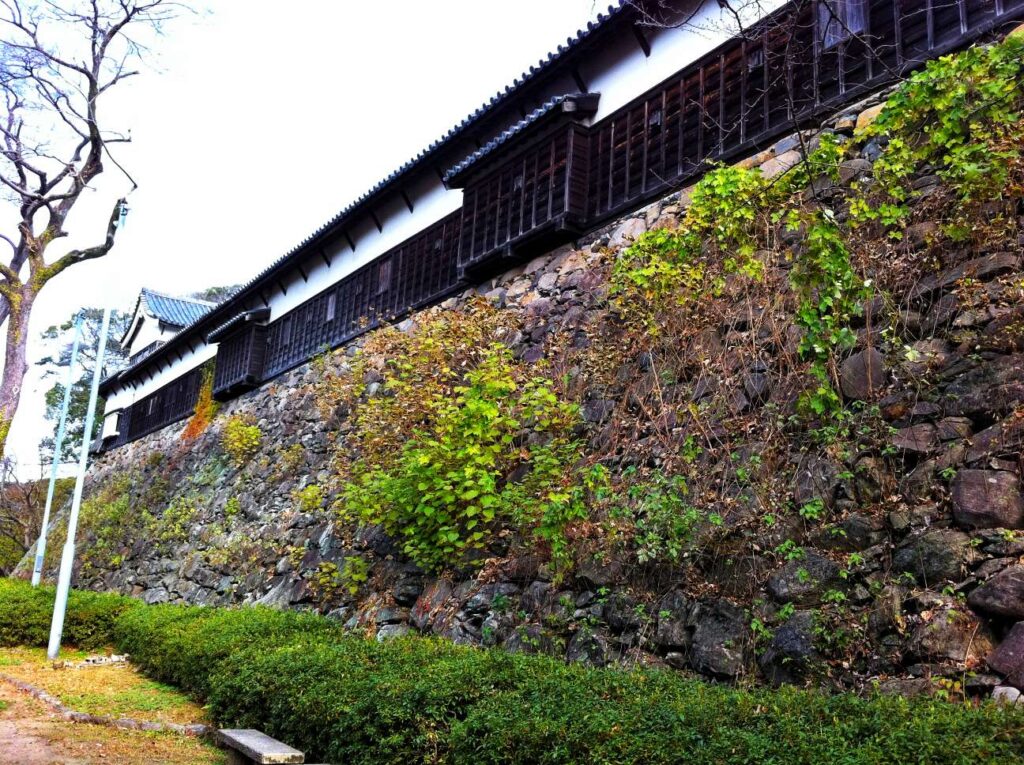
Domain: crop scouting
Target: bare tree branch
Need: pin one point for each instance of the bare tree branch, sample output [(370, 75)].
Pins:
[(58, 59), (90, 253)]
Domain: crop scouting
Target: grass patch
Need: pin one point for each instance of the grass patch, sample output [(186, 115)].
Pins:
[(111, 746), (114, 690)]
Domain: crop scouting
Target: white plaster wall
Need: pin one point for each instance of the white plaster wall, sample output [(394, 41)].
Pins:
[(149, 332), (109, 422), (621, 72), (431, 202)]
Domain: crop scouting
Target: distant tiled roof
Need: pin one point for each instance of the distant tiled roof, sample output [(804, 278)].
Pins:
[(573, 102), (177, 311)]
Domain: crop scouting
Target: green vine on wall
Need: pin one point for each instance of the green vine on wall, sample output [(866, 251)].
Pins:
[(960, 115), (734, 212), (666, 270)]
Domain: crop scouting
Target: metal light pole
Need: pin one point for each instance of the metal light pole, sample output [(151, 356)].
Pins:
[(67, 558), (37, 571)]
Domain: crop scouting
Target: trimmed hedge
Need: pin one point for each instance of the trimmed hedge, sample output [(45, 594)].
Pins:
[(26, 613), (420, 700)]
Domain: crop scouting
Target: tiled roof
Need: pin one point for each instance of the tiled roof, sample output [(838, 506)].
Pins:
[(177, 311), (573, 102), (217, 334)]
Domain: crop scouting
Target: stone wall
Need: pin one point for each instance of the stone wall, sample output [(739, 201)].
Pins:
[(916, 582)]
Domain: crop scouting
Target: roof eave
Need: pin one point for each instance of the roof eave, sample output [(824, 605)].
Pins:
[(575, 106)]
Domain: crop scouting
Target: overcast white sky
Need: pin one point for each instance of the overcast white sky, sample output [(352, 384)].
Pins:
[(267, 117)]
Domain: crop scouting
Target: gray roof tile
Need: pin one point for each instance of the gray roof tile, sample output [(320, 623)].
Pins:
[(177, 311)]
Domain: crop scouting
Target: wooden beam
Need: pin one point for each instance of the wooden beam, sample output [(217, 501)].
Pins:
[(642, 41), (263, 297), (376, 221), (325, 257), (280, 286), (348, 238), (580, 82), (302, 271), (408, 202)]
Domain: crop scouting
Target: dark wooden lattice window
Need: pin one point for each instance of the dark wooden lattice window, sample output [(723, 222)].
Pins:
[(384, 276), (537, 193), (240, 359), (839, 20), (414, 274), (167, 405)]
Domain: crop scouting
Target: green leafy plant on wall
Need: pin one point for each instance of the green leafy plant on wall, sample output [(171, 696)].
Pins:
[(232, 509), (241, 438), (355, 572), (961, 115), (467, 473), (734, 215), (174, 523), (107, 520), (719, 235), (310, 498)]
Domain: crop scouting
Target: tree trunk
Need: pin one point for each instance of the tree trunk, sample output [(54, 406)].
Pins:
[(15, 362)]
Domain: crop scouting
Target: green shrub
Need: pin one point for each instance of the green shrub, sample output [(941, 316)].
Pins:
[(184, 645), (344, 698), (241, 439), (26, 614), (464, 475)]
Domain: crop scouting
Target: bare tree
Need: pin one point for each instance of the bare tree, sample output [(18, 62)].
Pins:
[(58, 58), (21, 514)]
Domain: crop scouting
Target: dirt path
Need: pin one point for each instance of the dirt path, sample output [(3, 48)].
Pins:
[(30, 734), (23, 728)]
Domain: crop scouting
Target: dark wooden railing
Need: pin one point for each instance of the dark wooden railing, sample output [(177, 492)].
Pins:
[(798, 63), (542, 190), (785, 72), (169, 404), (412, 275)]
